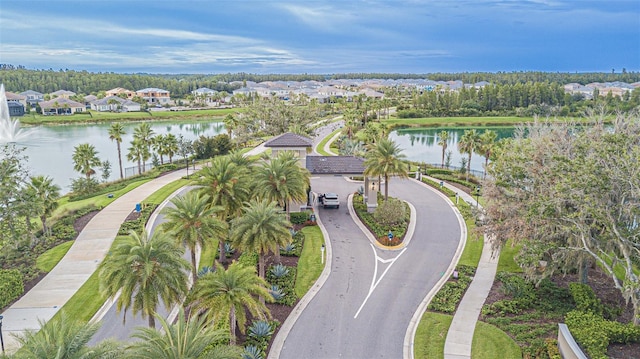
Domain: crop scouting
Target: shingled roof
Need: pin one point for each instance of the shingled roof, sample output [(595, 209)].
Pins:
[(347, 165), (289, 139)]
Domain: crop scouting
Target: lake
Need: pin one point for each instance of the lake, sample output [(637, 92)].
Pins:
[(421, 144), (50, 148)]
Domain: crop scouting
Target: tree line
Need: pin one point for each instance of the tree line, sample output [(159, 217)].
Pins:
[(18, 79)]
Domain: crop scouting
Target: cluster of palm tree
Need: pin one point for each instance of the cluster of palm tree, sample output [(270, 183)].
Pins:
[(471, 142), (144, 140), (236, 201)]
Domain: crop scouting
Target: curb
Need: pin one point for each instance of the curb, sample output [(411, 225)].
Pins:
[(409, 338)]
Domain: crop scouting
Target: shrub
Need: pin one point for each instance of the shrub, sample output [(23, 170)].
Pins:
[(585, 298), (11, 286), (447, 299), (279, 270), (249, 259), (594, 333), (300, 217), (276, 293), (252, 352), (63, 232), (390, 213)]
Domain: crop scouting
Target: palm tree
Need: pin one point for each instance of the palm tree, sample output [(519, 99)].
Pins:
[(261, 228), (385, 159), (171, 146), (194, 223), (468, 143), (228, 293), (184, 339), (145, 269), (283, 180), (85, 157), (116, 131), (138, 152), (64, 338), (227, 185), (159, 145), (443, 138), (45, 196), (487, 146), (144, 134)]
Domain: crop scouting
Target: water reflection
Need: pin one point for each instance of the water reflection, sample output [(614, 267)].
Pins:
[(421, 144), (51, 149)]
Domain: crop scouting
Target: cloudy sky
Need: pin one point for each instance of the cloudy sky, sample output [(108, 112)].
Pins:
[(321, 36)]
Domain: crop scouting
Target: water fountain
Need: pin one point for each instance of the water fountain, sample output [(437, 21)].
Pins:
[(10, 130)]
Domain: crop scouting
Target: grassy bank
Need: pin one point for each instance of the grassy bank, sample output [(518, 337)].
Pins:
[(466, 121), (95, 116)]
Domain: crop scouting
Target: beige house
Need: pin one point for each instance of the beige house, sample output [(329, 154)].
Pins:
[(155, 96), (119, 90), (61, 106), (62, 93)]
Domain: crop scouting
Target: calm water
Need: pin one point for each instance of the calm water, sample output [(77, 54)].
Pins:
[(421, 144), (50, 148)]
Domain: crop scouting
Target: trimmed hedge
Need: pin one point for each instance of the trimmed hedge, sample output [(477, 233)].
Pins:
[(11, 286), (449, 296), (594, 333), (287, 285), (299, 217)]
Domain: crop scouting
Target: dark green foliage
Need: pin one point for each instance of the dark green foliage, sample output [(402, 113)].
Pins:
[(209, 147), (276, 293), (11, 286), (594, 333), (137, 225), (83, 186), (63, 232), (294, 249), (449, 296), (586, 300), (299, 217), (167, 167), (285, 281), (249, 259), (376, 228)]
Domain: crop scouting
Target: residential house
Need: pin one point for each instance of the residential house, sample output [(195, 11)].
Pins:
[(62, 93), (16, 109), (61, 106), (205, 94), (33, 97), (118, 91), (155, 96), (88, 100), (115, 104), (14, 97)]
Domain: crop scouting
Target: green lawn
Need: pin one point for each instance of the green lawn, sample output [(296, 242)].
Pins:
[(208, 255), (465, 121), (506, 262), (489, 342), (95, 116), (473, 248), (320, 147), (47, 260), (310, 263), (163, 193), (431, 335)]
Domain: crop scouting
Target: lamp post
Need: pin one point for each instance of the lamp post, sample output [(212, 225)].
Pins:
[(477, 195), (1, 338)]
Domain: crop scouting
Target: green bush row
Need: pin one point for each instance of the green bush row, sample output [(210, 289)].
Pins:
[(286, 284), (11, 286), (594, 333), (299, 217), (137, 225), (448, 297)]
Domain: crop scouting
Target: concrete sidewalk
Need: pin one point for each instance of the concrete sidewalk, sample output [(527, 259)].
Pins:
[(44, 300), (460, 336)]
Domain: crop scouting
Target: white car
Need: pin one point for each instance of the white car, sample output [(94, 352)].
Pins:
[(330, 200)]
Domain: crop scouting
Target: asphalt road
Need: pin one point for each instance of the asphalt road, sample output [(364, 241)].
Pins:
[(365, 306), (120, 326)]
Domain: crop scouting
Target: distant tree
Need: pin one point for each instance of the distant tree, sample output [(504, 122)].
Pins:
[(469, 143), (443, 138)]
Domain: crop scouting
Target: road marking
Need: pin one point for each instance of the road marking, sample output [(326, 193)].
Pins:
[(374, 282)]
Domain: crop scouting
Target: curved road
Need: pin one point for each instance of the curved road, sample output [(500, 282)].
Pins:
[(365, 306)]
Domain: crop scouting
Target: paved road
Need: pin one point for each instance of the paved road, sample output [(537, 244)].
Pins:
[(365, 306), (116, 325)]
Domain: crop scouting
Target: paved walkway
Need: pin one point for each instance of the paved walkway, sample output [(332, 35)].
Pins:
[(44, 300), (460, 335)]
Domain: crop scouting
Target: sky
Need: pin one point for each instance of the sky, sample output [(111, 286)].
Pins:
[(321, 36)]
